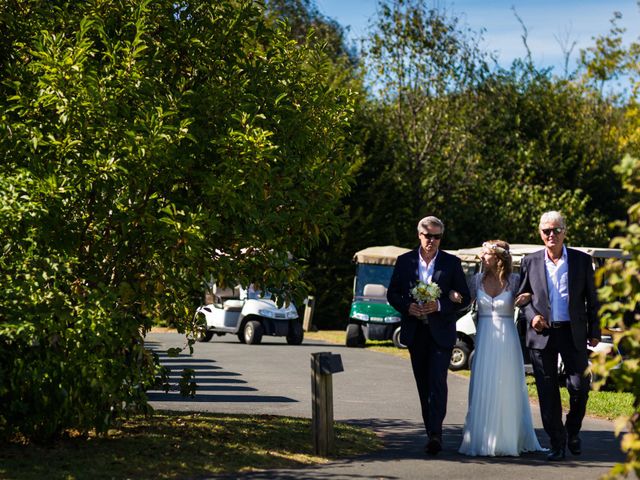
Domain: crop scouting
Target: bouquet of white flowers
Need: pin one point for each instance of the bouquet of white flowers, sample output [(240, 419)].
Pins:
[(426, 292)]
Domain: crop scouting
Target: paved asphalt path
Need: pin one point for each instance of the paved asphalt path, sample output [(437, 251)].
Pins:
[(375, 390)]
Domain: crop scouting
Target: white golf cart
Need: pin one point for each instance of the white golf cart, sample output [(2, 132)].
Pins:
[(249, 314)]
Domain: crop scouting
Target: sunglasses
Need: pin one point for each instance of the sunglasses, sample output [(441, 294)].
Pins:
[(432, 236), (556, 230)]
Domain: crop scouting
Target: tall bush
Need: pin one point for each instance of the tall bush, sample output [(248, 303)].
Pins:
[(146, 146)]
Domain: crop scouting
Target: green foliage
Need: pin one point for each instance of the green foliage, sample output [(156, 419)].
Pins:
[(620, 311), (147, 147), (607, 58), (542, 143), (422, 62), (304, 18)]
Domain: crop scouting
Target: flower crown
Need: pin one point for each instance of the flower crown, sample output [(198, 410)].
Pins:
[(495, 248)]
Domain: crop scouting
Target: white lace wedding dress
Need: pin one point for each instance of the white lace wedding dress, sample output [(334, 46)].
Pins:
[(499, 417)]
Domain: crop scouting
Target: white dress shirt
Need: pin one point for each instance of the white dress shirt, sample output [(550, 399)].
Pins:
[(558, 286), (425, 270)]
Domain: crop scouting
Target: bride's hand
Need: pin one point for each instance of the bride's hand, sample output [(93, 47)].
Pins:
[(523, 299), (455, 297)]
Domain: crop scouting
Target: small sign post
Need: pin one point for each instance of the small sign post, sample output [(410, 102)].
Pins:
[(323, 365)]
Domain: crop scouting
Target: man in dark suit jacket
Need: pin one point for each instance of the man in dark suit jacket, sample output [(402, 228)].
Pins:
[(561, 319), (429, 329)]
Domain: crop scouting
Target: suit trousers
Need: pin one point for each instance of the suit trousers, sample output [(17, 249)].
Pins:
[(545, 370), (430, 364)]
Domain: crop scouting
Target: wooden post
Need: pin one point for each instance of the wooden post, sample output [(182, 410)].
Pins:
[(308, 314), (323, 365)]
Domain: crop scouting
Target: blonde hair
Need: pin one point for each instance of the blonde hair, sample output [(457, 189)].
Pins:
[(500, 249)]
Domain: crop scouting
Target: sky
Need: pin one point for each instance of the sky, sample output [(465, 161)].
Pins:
[(548, 23)]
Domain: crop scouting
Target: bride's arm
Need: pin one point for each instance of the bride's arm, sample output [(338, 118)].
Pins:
[(522, 299)]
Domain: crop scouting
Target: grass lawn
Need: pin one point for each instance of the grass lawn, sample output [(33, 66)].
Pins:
[(604, 404), (175, 445)]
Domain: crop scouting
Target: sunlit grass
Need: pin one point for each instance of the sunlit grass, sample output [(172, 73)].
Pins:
[(605, 404), (172, 445), (339, 337)]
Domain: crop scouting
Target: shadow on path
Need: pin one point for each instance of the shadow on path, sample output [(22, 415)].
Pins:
[(208, 378)]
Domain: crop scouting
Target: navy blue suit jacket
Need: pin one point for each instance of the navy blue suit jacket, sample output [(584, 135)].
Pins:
[(448, 274)]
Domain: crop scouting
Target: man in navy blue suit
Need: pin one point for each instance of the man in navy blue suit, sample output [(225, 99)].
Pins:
[(561, 319), (429, 329)]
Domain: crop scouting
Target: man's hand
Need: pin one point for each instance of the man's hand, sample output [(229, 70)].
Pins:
[(539, 323), (593, 342), (421, 310), (415, 310), (523, 299), (455, 297), (430, 307)]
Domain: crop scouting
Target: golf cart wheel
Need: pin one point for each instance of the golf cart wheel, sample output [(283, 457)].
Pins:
[(241, 335), (296, 334), (201, 333), (396, 339), (355, 336), (459, 356), (253, 332)]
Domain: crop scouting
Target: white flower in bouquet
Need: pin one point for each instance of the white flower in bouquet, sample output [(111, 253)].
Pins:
[(426, 292)]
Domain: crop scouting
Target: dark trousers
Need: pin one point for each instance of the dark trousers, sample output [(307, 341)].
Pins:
[(545, 370), (430, 364)]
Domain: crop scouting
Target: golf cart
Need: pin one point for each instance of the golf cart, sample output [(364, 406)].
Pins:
[(248, 313), (371, 317), (462, 354)]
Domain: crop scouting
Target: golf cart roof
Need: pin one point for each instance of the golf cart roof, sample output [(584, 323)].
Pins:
[(380, 255), (602, 252), (519, 250)]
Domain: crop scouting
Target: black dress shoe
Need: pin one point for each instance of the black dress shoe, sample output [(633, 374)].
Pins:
[(556, 455), (434, 445), (575, 445)]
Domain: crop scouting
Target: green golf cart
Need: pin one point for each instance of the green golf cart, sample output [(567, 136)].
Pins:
[(371, 317)]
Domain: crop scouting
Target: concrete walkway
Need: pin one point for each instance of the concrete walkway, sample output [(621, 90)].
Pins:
[(375, 390)]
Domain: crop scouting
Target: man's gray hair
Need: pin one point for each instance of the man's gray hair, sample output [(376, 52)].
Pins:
[(552, 217), (430, 221)]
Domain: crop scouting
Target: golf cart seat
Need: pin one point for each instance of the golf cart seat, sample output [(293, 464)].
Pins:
[(233, 305), (221, 295), (374, 290)]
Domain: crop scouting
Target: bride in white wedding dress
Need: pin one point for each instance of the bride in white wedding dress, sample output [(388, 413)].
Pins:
[(498, 420)]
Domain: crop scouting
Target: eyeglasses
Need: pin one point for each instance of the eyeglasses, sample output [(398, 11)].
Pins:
[(431, 236), (556, 230)]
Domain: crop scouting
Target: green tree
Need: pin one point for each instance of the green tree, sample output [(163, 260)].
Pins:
[(303, 18), (147, 146), (542, 143), (422, 64)]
